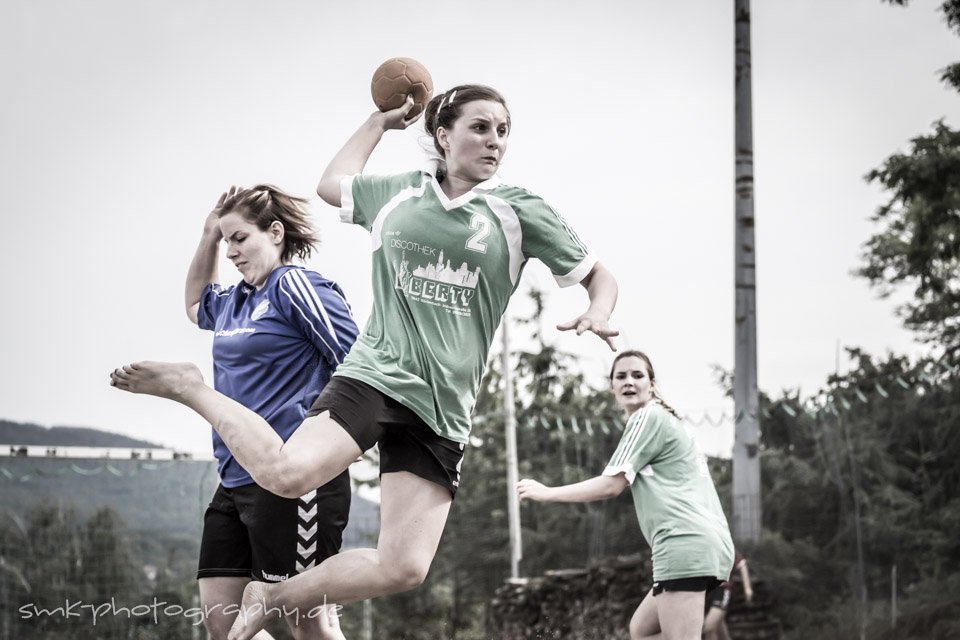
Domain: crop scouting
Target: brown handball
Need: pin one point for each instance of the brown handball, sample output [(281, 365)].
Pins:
[(396, 78)]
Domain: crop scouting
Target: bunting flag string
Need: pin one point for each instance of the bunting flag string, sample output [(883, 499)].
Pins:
[(830, 402)]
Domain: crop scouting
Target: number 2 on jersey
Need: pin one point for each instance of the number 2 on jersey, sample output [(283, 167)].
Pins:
[(482, 225)]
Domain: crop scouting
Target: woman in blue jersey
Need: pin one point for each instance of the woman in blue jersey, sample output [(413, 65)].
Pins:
[(278, 336), (448, 245), (676, 503)]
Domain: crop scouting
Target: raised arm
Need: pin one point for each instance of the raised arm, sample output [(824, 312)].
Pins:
[(352, 158), (597, 488), (203, 267), (747, 584), (602, 292)]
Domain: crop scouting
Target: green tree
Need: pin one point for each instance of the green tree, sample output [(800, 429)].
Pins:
[(69, 570), (918, 243), (881, 437)]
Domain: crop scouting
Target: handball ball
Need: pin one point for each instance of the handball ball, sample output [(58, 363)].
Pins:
[(398, 77)]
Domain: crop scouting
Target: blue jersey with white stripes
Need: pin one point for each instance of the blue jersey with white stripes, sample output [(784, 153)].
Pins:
[(274, 349)]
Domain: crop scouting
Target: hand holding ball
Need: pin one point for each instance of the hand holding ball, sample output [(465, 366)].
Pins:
[(397, 78)]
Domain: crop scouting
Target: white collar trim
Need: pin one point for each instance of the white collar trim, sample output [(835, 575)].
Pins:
[(430, 169)]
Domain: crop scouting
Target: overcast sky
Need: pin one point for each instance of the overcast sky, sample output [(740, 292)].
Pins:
[(123, 120)]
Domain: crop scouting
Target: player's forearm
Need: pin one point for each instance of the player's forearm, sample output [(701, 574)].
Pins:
[(351, 159), (597, 488), (602, 290), (202, 270), (745, 577)]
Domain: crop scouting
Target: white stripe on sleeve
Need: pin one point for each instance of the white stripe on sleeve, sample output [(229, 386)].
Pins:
[(297, 302), (304, 287), (346, 199), (631, 436), (578, 273), (512, 231)]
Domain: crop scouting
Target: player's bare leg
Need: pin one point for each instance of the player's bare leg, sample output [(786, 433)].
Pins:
[(325, 625), (320, 623), (713, 624), (672, 615), (216, 596), (413, 514), (681, 614), (317, 452), (645, 623)]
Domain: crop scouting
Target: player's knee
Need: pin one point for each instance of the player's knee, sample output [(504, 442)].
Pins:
[(408, 572), (637, 634), (283, 479), (218, 627), (275, 481)]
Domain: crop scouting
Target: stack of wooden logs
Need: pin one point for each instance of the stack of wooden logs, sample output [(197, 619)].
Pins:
[(754, 621), (585, 604), (596, 603)]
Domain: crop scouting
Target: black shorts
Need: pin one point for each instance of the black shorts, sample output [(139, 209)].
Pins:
[(718, 598), (407, 443), (698, 583), (249, 532)]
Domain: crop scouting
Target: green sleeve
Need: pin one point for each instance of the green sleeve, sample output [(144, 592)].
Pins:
[(364, 196), (548, 237), (643, 440)]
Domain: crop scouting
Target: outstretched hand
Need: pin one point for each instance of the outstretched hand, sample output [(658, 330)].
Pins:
[(397, 118), (594, 323), (528, 489)]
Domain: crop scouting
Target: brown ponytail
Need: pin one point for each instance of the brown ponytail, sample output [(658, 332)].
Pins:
[(265, 204)]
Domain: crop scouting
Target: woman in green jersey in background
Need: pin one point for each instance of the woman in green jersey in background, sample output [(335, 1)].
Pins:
[(449, 244), (676, 503)]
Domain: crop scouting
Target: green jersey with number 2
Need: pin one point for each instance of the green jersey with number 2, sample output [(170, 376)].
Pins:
[(443, 272)]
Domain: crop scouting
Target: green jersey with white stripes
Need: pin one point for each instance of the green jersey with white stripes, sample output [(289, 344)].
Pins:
[(677, 505), (443, 272)]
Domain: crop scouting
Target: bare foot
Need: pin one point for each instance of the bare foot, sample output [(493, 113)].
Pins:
[(255, 606), (163, 379)]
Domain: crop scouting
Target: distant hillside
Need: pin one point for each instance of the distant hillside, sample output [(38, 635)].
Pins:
[(33, 434), (160, 502)]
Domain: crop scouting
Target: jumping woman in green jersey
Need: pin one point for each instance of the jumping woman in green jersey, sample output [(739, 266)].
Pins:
[(448, 245), (676, 503)]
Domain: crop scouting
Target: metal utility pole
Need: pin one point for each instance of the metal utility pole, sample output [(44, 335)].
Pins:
[(746, 450), (510, 425)]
